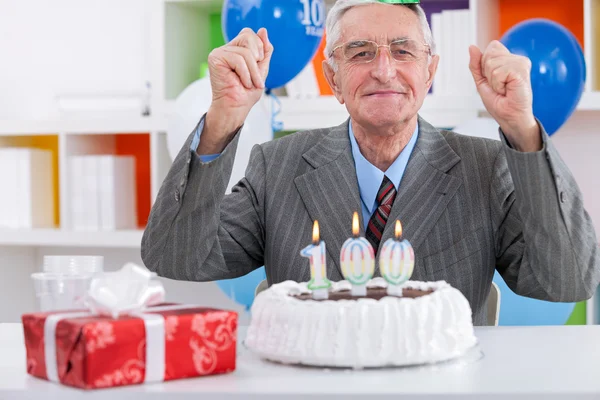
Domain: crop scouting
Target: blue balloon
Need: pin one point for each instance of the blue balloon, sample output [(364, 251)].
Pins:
[(558, 70), (241, 290), (519, 310), (295, 28)]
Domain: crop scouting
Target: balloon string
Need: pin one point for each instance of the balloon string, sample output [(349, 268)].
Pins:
[(275, 111)]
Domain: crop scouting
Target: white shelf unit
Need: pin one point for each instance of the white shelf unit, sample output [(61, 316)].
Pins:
[(123, 239), (97, 124), (441, 111), (175, 45), (213, 5), (148, 146), (590, 101)]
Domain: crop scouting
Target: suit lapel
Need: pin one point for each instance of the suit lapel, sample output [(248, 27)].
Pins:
[(330, 191), (426, 188)]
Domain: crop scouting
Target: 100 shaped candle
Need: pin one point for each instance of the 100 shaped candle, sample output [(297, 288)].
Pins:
[(318, 284), (396, 261), (357, 259)]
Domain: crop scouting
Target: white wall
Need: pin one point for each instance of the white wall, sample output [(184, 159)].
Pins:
[(57, 47), (578, 143)]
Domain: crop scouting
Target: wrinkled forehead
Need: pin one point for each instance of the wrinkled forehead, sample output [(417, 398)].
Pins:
[(381, 23)]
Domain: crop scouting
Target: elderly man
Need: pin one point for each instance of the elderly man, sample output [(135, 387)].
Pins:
[(469, 206)]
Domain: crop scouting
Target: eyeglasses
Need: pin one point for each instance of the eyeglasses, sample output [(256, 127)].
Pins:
[(364, 51)]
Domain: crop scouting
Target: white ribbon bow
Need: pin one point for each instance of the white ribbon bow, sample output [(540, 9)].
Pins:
[(129, 290)]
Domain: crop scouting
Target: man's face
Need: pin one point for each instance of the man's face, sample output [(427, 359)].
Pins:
[(383, 92)]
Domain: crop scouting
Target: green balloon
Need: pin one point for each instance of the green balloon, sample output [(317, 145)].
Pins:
[(203, 70)]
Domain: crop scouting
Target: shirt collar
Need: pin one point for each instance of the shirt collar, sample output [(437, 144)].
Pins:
[(370, 177)]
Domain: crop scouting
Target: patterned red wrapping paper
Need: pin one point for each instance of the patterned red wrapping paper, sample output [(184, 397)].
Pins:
[(97, 352)]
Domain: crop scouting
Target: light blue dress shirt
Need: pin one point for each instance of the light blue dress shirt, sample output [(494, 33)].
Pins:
[(196, 141), (370, 177)]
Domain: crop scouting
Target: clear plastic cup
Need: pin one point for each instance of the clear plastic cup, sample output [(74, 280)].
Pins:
[(60, 291), (82, 265)]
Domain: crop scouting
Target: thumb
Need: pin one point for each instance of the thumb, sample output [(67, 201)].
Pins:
[(475, 64), (268, 48)]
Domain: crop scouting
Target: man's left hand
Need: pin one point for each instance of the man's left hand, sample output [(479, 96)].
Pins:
[(504, 84)]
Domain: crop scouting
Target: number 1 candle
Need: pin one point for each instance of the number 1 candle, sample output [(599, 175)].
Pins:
[(396, 261), (318, 284), (357, 259)]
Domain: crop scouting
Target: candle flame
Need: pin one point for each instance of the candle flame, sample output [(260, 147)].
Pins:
[(398, 230), (315, 233), (355, 224)]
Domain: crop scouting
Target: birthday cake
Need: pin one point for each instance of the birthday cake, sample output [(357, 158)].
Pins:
[(430, 322), (361, 322)]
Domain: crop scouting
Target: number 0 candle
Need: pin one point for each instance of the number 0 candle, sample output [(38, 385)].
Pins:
[(396, 261), (357, 259)]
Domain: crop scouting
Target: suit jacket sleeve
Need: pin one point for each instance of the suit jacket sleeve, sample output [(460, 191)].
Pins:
[(197, 233), (546, 247)]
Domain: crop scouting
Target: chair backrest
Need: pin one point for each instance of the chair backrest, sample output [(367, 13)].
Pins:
[(493, 303), (261, 286)]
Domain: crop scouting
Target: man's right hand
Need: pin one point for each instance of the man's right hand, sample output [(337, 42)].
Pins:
[(238, 71)]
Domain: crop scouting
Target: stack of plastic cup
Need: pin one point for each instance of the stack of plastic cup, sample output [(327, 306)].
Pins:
[(65, 281), (84, 265)]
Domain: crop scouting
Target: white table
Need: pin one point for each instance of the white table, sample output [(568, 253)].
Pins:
[(512, 363)]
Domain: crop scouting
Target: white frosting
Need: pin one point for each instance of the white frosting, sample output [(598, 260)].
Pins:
[(361, 333)]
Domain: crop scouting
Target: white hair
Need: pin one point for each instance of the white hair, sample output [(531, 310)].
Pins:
[(333, 28)]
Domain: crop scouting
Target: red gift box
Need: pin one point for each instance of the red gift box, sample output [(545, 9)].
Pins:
[(97, 351)]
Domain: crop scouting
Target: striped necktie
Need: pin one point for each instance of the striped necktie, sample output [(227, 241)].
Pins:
[(385, 199)]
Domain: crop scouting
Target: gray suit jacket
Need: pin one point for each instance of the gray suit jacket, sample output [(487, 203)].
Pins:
[(467, 205)]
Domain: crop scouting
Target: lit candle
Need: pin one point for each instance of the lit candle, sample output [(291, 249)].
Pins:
[(357, 259), (318, 284), (396, 262)]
